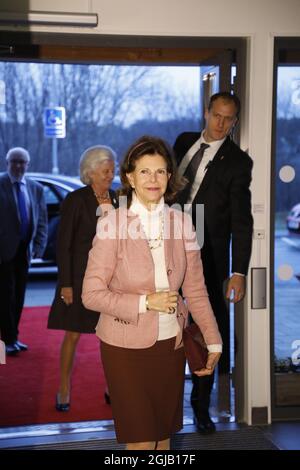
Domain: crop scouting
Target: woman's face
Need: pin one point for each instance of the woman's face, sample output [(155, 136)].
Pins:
[(149, 179), (102, 175)]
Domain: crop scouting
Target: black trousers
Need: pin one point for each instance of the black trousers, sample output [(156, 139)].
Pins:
[(202, 386), (13, 279)]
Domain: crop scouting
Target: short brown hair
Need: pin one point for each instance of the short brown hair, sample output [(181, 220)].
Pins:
[(149, 145), (226, 96)]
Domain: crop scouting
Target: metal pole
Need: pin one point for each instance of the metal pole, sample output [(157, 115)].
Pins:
[(55, 169)]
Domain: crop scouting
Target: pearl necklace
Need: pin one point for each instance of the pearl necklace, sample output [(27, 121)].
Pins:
[(100, 198), (157, 242)]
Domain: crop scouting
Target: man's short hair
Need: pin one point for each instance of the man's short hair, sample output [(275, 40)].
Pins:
[(17, 151), (228, 97)]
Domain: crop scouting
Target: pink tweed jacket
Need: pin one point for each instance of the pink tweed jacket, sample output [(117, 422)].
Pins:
[(120, 268)]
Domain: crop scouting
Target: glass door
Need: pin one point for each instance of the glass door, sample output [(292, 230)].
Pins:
[(286, 239), (159, 102), (218, 74)]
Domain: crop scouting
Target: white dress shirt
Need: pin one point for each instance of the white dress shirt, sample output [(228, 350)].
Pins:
[(208, 157)]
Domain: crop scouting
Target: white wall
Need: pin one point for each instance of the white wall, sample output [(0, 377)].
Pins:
[(177, 18), (259, 21)]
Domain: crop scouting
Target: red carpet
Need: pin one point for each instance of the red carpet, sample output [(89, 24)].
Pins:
[(29, 381)]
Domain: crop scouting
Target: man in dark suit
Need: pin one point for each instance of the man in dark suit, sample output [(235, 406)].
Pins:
[(23, 235), (219, 175)]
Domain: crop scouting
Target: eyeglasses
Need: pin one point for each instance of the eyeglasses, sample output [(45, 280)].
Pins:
[(20, 162), (147, 173)]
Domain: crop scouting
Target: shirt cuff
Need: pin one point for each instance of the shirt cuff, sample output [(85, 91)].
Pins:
[(238, 274), (142, 304), (214, 348)]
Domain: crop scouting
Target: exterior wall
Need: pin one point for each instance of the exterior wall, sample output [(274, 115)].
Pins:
[(257, 20)]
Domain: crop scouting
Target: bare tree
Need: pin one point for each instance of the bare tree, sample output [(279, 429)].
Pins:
[(101, 102)]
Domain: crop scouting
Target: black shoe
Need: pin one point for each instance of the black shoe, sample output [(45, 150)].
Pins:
[(21, 346), (205, 425), (62, 406), (107, 398), (12, 349)]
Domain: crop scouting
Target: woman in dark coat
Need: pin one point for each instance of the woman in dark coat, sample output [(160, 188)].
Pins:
[(79, 214)]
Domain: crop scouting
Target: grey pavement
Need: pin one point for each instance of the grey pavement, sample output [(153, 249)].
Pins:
[(286, 296)]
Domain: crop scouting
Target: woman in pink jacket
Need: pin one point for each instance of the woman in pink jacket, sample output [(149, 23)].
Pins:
[(142, 255)]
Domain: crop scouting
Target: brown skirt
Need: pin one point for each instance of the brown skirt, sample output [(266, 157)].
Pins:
[(146, 390)]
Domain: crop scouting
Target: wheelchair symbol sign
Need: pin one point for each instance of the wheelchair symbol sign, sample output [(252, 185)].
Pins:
[(55, 122)]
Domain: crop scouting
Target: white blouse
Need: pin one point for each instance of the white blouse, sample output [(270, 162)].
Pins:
[(151, 222)]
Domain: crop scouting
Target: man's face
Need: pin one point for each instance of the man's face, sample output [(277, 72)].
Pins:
[(219, 120), (17, 165)]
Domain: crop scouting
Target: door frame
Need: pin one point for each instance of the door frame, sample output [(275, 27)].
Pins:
[(286, 51), (111, 49)]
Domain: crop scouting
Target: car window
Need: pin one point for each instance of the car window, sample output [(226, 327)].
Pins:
[(51, 196), (62, 192)]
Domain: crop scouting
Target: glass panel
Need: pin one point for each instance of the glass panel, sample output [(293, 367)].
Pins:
[(287, 239), (108, 104), (105, 104)]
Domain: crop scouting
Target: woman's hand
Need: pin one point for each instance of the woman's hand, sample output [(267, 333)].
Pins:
[(212, 361), (164, 301), (66, 295)]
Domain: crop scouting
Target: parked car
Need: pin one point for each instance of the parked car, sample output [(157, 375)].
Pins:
[(293, 219), (56, 188)]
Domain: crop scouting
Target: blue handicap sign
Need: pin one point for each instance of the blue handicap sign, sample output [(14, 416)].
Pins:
[(55, 122)]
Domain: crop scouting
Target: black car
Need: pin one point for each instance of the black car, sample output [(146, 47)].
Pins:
[(56, 188)]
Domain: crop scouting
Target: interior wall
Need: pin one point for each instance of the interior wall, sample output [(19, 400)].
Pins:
[(258, 21), (174, 17)]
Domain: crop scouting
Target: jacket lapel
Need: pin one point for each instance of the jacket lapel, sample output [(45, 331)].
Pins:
[(114, 199), (168, 235), (10, 197), (137, 236), (32, 200), (220, 155), (91, 204)]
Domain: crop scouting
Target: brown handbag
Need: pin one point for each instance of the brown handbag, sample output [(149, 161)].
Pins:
[(195, 348)]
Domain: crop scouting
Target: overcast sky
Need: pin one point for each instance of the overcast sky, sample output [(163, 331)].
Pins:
[(288, 92)]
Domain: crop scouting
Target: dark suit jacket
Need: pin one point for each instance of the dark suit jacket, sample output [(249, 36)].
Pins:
[(227, 207), (10, 232), (77, 229)]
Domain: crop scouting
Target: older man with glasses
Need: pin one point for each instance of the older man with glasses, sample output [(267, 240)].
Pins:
[(23, 235)]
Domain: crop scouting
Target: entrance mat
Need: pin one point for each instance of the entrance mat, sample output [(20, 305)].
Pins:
[(248, 438)]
